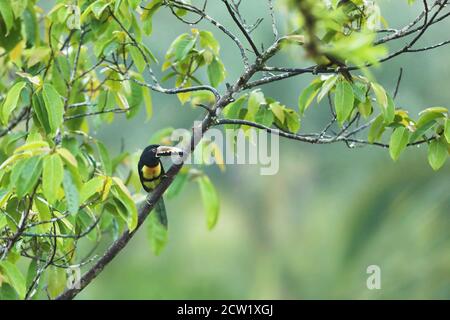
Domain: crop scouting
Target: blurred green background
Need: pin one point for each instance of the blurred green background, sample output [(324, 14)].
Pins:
[(310, 231)]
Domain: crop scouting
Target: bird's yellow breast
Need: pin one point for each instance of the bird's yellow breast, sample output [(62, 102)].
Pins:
[(151, 172)]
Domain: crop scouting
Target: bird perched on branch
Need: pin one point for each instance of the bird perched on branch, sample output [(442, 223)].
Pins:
[(151, 172)]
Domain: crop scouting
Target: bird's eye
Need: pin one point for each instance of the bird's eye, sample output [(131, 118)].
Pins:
[(153, 150)]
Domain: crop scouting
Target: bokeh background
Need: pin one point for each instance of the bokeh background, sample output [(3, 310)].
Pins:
[(310, 231)]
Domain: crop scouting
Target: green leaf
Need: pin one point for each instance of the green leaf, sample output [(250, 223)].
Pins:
[(264, 116), (389, 112), (326, 87), (398, 142), (210, 200), (104, 158), (157, 234), (292, 120), (430, 114), (137, 57), (52, 177), (216, 72), (360, 91), (207, 40), (11, 101), (232, 110), (307, 96), (181, 46), (385, 104), (420, 131), (29, 175), (93, 186), (15, 277), (98, 7), (71, 193), (54, 106), (121, 192), (44, 215), (376, 129), (148, 102), (343, 101), (447, 130), (7, 14), (41, 112), (255, 100), (31, 272), (437, 153), (278, 111), (442, 110), (365, 108), (150, 9), (177, 185), (56, 281)]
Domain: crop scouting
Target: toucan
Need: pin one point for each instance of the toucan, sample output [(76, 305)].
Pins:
[(151, 172)]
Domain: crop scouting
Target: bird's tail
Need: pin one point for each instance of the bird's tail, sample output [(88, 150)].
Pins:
[(160, 210)]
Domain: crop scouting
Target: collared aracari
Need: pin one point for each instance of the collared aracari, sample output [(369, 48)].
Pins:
[(151, 172)]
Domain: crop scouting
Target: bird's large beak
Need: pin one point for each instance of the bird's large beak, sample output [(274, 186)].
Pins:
[(163, 151)]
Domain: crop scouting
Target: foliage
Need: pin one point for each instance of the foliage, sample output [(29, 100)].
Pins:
[(68, 70)]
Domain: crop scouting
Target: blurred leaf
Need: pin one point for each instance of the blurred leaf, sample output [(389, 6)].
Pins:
[(181, 46), (326, 87), (44, 215), (52, 177), (11, 100), (54, 106), (41, 112), (386, 105), (292, 120), (56, 281), (216, 72), (148, 102), (159, 136), (207, 40), (399, 140), (71, 193), (7, 14), (157, 234), (307, 96), (67, 156), (255, 100), (104, 158), (98, 7), (31, 273), (177, 185), (14, 277), (137, 58), (147, 15), (447, 130), (437, 153), (29, 175), (360, 91), (232, 110), (210, 200), (376, 129), (93, 186), (365, 108), (278, 111), (264, 116), (421, 130), (121, 192), (343, 101)]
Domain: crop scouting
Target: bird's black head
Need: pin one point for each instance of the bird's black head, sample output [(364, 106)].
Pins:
[(151, 154)]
